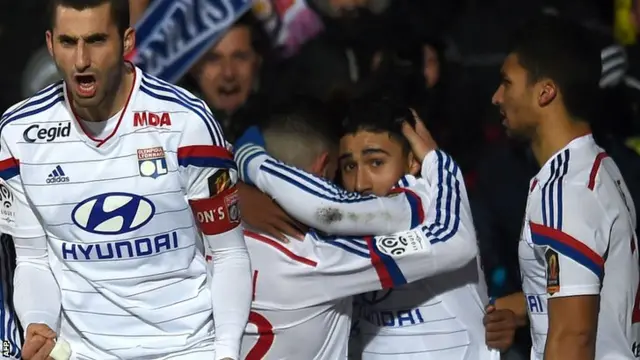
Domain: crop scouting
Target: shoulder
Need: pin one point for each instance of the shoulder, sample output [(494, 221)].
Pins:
[(34, 109), (566, 192), (575, 168), (37, 105), (197, 115), (262, 247), (174, 96)]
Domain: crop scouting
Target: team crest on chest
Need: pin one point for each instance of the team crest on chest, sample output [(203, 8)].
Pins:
[(151, 162)]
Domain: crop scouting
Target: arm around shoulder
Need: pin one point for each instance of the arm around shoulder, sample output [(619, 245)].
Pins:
[(320, 204)]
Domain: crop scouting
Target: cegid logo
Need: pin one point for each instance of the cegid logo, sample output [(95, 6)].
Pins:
[(34, 132)]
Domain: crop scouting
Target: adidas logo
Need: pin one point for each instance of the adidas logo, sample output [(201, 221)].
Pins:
[(57, 176)]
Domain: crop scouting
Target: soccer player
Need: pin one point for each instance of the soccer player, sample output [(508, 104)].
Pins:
[(107, 169), (437, 318), (578, 250), (302, 291), (10, 332)]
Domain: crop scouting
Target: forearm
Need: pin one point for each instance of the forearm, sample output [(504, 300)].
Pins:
[(573, 324), (230, 291), (517, 304), (567, 345), (321, 204), (36, 294)]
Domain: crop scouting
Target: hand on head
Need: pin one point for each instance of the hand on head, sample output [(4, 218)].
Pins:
[(420, 139)]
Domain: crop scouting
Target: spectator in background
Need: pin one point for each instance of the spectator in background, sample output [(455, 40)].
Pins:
[(289, 24), (229, 75)]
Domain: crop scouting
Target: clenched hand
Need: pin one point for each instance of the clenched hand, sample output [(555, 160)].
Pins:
[(39, 342)]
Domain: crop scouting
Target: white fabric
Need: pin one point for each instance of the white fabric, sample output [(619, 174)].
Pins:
[(422, 318), (122, 243), (578, 239)]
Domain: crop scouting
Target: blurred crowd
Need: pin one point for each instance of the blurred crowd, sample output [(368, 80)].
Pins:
[(439, 57)]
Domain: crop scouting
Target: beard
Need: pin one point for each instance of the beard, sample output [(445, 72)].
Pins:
[(106, 81)]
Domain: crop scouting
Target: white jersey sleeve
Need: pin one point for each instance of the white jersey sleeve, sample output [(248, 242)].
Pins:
[(202, 153), (17, 217), (444, 241), (572, 233), (331, 268), (321, 204), (33, 273), (209, 176)]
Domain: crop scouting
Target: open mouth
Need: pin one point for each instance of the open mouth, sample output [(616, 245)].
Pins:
[(85, 85), (229, 91)]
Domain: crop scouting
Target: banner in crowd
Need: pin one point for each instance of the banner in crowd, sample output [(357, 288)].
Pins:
[(290, 23), (174, 34)]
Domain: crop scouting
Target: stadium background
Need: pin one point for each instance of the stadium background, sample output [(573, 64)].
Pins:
[(440, 56)]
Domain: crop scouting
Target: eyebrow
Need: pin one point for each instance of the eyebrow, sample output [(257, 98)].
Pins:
[(89, 38), (365, 152), (374, 151)]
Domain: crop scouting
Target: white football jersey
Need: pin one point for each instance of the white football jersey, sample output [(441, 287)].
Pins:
[(112, 200), (302, 290), (578, 239), (439, 317), (10, 332)]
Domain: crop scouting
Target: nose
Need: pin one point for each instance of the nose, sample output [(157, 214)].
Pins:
[(363, 182), (496, 99), (228, 69), (83, 58)]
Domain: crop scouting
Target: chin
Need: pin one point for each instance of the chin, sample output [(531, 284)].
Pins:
[(516, 135), (85, 102)]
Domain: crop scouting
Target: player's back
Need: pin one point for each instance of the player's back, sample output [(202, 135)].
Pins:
[(287, 321), (597, 181), (620, 287), (302, 290)]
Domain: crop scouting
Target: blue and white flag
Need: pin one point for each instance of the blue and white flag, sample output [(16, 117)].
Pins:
[(174, 34)]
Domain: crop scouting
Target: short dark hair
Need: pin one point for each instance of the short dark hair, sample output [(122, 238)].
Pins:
[(565, 52), (259, 37), (119, 11), (298, 132), (378, 115)]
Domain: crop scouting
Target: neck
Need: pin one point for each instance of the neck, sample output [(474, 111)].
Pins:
[(554, 134), (114, 100)]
